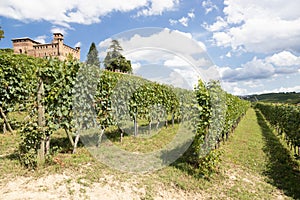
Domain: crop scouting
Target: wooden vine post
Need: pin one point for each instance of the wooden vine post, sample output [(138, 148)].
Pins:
[(41, 122), (135, 125), (6, 123)]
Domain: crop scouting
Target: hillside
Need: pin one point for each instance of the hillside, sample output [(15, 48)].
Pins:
[(288, 97)]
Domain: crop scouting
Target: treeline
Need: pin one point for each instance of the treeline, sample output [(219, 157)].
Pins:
[(282, 97), (285, 119), (72, 96)]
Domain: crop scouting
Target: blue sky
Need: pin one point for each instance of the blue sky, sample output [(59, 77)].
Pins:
[(251, 46)]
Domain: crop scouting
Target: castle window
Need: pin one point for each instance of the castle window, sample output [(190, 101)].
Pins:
[(20, 50)]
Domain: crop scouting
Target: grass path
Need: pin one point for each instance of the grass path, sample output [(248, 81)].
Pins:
[(254, 154)]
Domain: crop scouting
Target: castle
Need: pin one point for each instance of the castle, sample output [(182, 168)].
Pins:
[(55, 49)]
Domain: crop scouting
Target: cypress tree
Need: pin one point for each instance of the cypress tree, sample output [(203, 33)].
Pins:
[(92, 56)]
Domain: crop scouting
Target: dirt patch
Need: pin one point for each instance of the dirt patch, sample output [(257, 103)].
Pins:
[(62, 186), (67, 186)]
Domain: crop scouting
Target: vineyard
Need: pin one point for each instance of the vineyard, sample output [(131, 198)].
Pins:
[(62, 113), (285, 119), (75, 97)]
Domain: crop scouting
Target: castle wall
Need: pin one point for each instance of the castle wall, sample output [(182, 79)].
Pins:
[(23, 45), (45, 50), (55, 49)]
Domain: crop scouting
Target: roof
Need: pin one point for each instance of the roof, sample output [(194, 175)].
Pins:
[(25, 38), (40, 44)]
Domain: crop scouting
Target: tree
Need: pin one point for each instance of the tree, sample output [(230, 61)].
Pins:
[(1, 33), (114, 60), (92, 57)]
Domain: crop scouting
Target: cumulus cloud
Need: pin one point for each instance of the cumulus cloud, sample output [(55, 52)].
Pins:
[(165, 50), (281, 63), (135, 66), (157, 7), (82, 12), (255, 69), (41, 39), (258, 26), (184, 21), (284, 59), (58, 30), (216, 26), (78, 44), (176, 62), (282, 89), (152, 46), (209, 6)]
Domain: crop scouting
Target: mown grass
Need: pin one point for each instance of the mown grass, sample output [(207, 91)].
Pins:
[(146, 142)]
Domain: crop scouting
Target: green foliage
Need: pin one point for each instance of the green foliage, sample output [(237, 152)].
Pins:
[(218, 113), (1, 33), (31, 135), (18, 86), (84, 92), (78, 97), (7, 50), (285, 118), (59, 80), (208, 165), (115, 61), (17, 79), (282, 97), (92, 57)]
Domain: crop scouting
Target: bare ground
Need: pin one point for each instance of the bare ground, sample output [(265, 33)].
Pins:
[(70, 186)]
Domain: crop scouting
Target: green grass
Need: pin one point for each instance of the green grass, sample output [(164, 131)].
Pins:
[(246, 145), (146, 142), (282, 168), (256, 150), (255, 165)]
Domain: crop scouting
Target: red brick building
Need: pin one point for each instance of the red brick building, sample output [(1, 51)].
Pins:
[(56, 48)]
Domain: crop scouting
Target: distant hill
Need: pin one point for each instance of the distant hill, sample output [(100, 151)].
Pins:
[(282, 97)]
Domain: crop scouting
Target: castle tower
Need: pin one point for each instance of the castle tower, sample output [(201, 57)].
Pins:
[(58, 37), (56, 48)]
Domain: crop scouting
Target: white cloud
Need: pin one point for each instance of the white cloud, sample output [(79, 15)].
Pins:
[(135, 66), (275, 73), (58, 30), (78, 44), (184, 21), (191, 15), (209, 6), (41, 39), (255, 69), (239, 91), (284, 59), (218, 25), (157, 7), (228, 54), (176, 62), (258, 26), (167, 50), (234, 88), (253, 83), (282, 89), (76, 11), (173, 22), (162, 42)]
